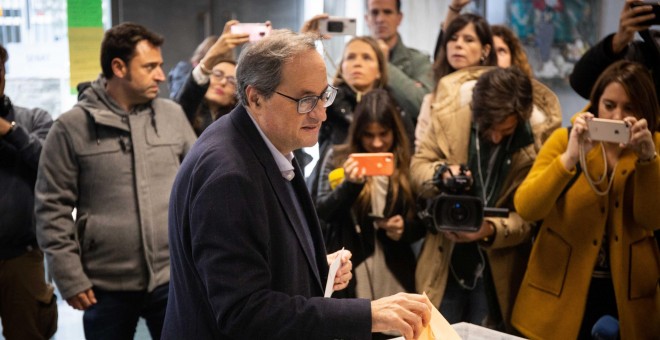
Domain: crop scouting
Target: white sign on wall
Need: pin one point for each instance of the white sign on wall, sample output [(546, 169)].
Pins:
[(39, 60)]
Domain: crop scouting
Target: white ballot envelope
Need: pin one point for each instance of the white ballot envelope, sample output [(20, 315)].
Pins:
[(334, 267)]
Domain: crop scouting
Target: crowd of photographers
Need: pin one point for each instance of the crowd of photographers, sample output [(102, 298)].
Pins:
[(534, 262), (502, 218)]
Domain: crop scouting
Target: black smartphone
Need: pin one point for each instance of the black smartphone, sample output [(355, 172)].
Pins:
[(656, 11)]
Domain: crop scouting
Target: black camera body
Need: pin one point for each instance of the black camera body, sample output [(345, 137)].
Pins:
[(454, 209)]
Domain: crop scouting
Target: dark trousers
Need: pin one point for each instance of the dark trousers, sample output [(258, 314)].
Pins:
[(116, 314), (464, 305), (600, 302), (27, 304)]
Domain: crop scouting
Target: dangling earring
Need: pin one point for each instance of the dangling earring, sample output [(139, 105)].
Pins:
[(483, 58)]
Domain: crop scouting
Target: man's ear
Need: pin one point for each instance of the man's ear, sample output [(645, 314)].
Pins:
[(119, 68), (253, 96)]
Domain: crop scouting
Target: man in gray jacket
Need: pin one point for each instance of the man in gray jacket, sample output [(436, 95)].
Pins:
[(408, 70), (113, 158)]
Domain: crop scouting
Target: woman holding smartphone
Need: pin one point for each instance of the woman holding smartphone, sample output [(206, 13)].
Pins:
[(372, 216), (595, 254), (210, 90), (362, 68)]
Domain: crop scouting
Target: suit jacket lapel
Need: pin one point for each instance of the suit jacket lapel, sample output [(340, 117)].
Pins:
[(258, 145)]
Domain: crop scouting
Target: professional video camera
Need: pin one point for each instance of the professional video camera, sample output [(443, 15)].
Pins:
[(454, 209)]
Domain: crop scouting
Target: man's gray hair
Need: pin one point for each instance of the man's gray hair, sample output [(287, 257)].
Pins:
[(260, 64)]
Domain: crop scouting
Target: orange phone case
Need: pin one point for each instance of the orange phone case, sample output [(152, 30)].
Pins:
[(375, 164)]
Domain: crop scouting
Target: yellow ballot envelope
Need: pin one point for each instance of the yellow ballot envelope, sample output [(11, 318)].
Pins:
[(438, 328)]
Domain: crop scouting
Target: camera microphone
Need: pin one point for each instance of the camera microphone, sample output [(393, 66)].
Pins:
[(496, 212)]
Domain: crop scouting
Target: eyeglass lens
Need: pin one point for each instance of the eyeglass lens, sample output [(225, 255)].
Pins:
[(308, 104), (219, 76)]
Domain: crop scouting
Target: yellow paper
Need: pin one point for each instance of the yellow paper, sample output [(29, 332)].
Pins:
[(335, 177), (84, 53)]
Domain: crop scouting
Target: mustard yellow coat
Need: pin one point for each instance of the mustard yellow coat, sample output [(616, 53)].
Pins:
[(447, 140), (552, 298)]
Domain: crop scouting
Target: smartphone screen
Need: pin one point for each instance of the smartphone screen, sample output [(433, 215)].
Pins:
[(375, 164)]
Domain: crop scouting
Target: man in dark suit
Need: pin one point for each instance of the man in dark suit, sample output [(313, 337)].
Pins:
[(247, 254)]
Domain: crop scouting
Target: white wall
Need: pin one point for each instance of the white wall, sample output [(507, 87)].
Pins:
[(421, 23)]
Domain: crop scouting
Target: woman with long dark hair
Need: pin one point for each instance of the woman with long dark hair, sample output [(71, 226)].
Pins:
[(373, 216)]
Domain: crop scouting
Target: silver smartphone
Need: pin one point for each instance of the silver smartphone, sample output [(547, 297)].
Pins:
[(608, 130), (257, 31)]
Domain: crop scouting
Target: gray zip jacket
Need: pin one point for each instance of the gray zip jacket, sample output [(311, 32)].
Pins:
[(116, 169)]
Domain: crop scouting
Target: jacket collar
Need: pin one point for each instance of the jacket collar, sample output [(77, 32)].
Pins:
[(398, 52), (96, 101)]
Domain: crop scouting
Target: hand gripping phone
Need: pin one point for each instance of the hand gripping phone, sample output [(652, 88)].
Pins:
[(656, 11), (608, 130), (375, 164)]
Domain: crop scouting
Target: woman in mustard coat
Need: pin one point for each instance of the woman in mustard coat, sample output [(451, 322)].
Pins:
[(595, 253)]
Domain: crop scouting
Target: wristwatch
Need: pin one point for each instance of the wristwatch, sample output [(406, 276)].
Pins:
[(11, 129)]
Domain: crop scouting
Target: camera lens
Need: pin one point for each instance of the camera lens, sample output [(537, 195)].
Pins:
[(459, 213), (335, 26)]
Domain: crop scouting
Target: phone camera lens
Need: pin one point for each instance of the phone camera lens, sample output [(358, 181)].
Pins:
[(335, 26)]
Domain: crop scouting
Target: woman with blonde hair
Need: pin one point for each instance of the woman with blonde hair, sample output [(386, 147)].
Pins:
[(362, 69)]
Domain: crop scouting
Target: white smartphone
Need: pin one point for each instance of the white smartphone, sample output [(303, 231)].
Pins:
[(608, 130), (256, 30), (338, 26)]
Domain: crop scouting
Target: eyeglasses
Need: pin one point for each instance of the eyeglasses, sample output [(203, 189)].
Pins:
[(219, 76), (308, 103)]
